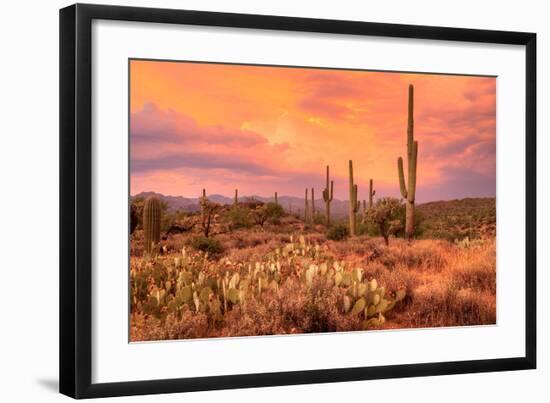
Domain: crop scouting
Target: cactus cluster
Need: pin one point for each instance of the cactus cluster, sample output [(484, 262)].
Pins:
[(191, 283), (408, 190), (366, 298)]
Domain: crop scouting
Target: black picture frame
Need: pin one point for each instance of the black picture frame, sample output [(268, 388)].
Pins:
[(76, 200)]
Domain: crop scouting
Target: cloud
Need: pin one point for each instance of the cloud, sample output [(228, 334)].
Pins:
[(326, 94), (459, 183), (152, 125), (200, 160), (164, 140)]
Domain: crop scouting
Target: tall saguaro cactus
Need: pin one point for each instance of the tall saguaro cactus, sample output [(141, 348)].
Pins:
[(236, 200), (276, 199), (372, 192), (201, 203), (353, 203), (312, 204), (327, 197), (152, 216), (306, 209), (408, 191)]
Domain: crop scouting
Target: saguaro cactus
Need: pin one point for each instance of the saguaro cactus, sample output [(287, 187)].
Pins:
[(152, 216), (236, 199), (276, 199), (408, 191), (312, 204), (306, 208), (327, 197), (201, 204), (353, 203), (372, 192)]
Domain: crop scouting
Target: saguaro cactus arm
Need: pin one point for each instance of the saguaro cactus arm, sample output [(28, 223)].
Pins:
[(372, 192), (412, 172), (401, 177), (356, 203)]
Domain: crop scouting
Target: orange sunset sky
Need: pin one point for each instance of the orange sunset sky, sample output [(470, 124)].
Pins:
[(264, 129)]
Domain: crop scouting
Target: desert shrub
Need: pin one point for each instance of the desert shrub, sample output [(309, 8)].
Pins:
[(449, 305), (338, 232), (367, 228), (423, 255), (192, 325), (238, 218), (208, 245), (474, 268), (356, 246), (319, 219), (274, 213)]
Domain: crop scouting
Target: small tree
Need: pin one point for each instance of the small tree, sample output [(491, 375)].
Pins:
[(385, 214), (260, 215), (208, 209), (270, 211)]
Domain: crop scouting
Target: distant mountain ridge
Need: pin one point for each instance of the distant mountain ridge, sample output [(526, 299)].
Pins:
[(339, 208), (289, 203)]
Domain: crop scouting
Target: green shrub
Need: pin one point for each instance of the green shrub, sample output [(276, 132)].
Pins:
[(274, 213), (338, 232), (238, 218), (208, 245)]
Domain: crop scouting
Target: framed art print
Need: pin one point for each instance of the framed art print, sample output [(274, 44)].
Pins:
[(305, 200)]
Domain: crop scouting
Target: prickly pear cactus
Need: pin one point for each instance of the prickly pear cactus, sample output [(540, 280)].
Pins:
[(188, 284)]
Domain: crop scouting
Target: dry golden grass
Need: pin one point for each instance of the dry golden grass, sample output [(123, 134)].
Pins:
[(447, 284)]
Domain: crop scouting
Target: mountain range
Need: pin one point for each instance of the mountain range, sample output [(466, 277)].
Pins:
[(289, 203)]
